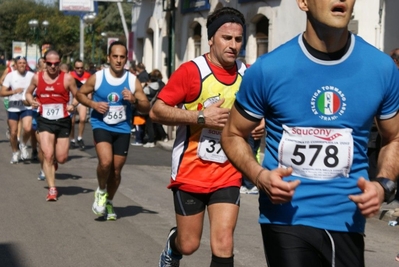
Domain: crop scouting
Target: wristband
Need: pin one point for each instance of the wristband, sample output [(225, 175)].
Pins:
[(257, 177)]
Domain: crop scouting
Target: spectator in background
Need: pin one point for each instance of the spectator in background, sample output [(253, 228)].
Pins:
[(395, 56), (142, 74), (80, 76), (64, 67), (2, 60), (151, 90), (41, 64), (132, 68)]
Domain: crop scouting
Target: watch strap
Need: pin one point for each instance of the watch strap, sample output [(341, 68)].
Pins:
[(389, 187)]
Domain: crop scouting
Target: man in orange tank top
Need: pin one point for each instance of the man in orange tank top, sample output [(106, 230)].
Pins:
[(202, 178), (54, 123)]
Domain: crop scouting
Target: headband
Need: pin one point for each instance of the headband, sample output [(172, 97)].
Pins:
[(218, 22)]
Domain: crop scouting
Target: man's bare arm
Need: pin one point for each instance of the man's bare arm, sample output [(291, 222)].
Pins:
[(388, 164), (140, 99), (234, 143), (29, 92), (215, 115), (239, 152), (86, 89)]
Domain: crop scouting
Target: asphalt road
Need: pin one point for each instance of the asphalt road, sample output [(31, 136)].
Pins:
[(66, 233)]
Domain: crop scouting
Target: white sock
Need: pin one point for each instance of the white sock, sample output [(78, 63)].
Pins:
[(79, 138), (101, 191)]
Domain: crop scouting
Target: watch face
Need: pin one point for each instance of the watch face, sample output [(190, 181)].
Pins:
[(201, 120)]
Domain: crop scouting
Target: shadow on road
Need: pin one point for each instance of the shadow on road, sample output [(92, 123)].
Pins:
[(65, 176), (72, 190), (9, 255), (129, 211)]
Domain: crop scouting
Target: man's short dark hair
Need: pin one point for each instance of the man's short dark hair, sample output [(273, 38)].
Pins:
[(77, 61), (116, 43)]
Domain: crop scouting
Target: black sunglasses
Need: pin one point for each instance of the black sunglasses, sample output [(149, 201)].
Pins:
[(56, 63)]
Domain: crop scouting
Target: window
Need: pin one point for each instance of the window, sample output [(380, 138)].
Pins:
[(197, 40), (262, 36)]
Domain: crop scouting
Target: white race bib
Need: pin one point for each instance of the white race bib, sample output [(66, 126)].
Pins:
[(316, 153), (53, 111), (115, 114), (209, 147)]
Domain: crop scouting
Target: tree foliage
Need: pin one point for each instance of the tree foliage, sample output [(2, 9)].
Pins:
[(63, 32)]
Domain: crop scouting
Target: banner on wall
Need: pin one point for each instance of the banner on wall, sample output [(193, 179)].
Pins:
[(188, 6), (77, 5)]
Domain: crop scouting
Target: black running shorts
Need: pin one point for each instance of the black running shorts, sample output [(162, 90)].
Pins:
[(304, 246), (187, 203), (60, 128), (120, 142)]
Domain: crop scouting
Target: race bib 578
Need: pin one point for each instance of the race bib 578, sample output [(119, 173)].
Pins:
[(316, 153)]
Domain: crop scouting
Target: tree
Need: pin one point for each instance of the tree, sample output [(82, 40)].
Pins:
[(62, 33)]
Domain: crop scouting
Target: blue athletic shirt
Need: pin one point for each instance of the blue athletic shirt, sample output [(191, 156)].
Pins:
[(109, 89), (318, 116)]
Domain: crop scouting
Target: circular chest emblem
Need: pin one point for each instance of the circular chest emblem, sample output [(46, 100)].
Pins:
[(328, 103)]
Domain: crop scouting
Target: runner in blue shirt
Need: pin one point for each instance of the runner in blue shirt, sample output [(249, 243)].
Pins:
[(319, 94)]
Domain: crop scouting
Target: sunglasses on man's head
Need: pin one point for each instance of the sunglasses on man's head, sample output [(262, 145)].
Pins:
[(20, 57), (56, 63)]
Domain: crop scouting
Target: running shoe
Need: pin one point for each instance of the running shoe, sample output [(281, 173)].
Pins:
[(8, 134), (73, 143), (52, 194), (34, 154), (110, 214), (41, 176), (100, 199), (253, 191), (24, 151), (81, 144), (136, 144), (14, 158), (149, 144), (167, 259), (243, 190)]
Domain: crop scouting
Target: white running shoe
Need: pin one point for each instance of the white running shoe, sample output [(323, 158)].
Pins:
[(100, 200), (41, 176), (253, 191), (243, 190), (14, 158), (149, 144), (24, 151)]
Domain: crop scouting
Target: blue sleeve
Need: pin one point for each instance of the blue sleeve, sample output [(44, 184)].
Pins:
[(390, 105), (252, 90)]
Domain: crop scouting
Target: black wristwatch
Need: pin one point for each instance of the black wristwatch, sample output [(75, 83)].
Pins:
[(201, 118), (389, 187)]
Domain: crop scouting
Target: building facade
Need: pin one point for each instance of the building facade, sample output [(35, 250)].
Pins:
[(167, 33)]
